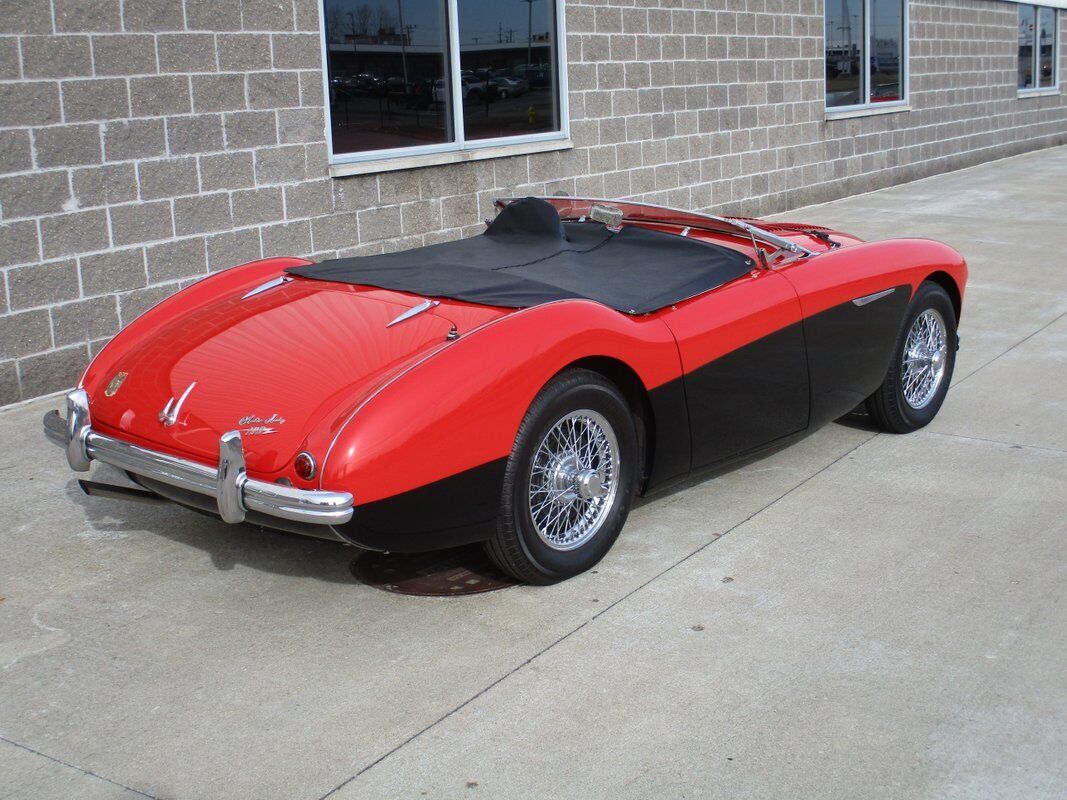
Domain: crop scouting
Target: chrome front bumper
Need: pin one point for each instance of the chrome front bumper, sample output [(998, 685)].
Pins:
[(234, 492)]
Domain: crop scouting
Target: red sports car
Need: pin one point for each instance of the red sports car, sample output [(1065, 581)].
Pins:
[(516, 388)]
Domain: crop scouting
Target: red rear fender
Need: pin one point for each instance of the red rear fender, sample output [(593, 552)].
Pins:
[(461, 407)]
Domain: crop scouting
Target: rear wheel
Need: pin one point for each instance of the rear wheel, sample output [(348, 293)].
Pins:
[(921, 370), (569, 481)]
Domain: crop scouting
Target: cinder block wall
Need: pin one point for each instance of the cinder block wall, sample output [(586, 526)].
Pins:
[(144, 143)]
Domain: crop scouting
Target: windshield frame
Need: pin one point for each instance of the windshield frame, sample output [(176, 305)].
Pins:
[(633, 211)]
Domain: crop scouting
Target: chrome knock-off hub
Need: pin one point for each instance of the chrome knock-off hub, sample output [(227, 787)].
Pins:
[(574, 479), (925, 359)]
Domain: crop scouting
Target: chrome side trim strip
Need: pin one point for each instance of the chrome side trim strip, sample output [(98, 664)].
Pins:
[(414, 311), (234, 492), (870, 298)]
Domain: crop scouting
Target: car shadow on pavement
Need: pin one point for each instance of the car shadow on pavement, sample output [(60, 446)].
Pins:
[(458, 571), (227, 546), (858, 420)]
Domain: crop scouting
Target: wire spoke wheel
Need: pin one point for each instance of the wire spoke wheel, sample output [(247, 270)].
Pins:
[(574, 479), (924, 359)]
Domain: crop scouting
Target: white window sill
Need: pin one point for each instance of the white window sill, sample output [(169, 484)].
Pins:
[(867, 111), (1051, 91), (449, 157)]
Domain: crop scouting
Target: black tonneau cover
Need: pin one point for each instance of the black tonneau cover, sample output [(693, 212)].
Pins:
[(528, 256)]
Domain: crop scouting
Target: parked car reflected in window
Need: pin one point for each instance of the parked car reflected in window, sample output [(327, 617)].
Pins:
[(1038, 45), (1027, 24), (392, 74), (887, 26), (384, 60), (1046, 54), (508, 57), (865, 70), (844, 53)]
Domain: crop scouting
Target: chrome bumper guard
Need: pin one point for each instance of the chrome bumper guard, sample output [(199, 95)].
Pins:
[(235, 493)]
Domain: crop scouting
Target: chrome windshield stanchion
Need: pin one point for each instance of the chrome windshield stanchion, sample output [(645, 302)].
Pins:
[(78, 427), (231, 478)]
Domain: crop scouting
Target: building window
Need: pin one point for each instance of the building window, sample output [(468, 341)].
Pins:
[(866, 53), (415, 77), (1038, 46)]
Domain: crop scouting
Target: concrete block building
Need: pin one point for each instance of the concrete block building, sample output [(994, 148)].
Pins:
[(145, 143)]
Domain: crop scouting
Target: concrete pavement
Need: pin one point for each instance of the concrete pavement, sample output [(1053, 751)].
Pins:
[(861, 615)]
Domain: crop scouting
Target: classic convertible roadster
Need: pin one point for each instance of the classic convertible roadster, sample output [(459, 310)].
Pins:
[(516, 388)]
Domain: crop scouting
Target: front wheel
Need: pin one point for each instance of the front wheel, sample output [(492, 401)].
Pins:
[(921, 370), (569, 481)]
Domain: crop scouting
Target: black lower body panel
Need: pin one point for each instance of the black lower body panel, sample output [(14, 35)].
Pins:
[(671, 446), (748, 397), (459, 509), (849, 348)]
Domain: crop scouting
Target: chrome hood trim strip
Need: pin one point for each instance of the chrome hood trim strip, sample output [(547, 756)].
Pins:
[(870, 298)]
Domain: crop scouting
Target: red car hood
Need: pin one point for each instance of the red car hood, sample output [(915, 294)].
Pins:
[(272, 366)]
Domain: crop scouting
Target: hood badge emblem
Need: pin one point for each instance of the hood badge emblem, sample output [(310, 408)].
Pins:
[(115, 384), (258, 425), (169, 415)]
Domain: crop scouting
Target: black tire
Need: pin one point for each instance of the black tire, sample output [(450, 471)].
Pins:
[(888, 406), (516, 547)]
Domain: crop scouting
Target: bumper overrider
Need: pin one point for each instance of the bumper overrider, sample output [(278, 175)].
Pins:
[(235, 494)]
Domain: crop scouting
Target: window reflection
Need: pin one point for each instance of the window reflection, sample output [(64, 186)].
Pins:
[(887, 28), (1046, 59), (507, 57), (844, 52), (1027, 25), (385, 60)]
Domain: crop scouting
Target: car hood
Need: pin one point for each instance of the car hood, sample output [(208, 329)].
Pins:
[(273, 366)]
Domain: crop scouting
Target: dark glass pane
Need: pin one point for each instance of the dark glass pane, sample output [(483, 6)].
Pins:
[(887, 51), (386, 63), (1027, 20), (844, 53), (1046, 53), (507, 52)]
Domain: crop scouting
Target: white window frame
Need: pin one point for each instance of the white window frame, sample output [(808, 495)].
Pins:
[(461, 149), (1040, 91), (867, 107)]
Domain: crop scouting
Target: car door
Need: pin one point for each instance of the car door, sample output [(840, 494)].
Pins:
[(745, 371), (853, 310)]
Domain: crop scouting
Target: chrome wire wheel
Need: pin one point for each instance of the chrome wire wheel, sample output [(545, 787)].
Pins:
[(574, 480), (924, 359)]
